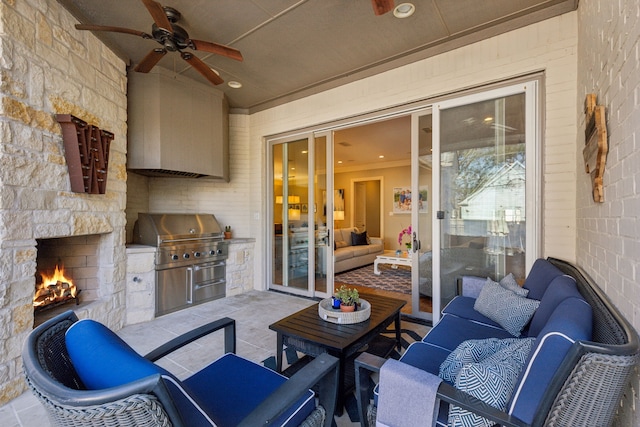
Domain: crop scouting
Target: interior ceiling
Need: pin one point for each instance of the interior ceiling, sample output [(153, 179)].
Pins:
[(293, 48)]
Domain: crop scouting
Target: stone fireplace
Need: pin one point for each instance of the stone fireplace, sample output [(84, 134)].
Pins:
[(49, 68)]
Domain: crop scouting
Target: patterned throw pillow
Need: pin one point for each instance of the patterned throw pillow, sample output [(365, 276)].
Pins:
[(471, 351), (509, 310), (509, 282), (491, 380)]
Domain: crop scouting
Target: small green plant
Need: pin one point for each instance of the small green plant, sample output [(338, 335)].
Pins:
[(348, 296), (227, 228)]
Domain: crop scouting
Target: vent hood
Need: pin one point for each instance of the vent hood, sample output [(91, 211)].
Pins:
[(177, 127)]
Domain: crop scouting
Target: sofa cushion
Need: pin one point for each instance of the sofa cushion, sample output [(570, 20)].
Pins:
[(102, 359), (451, 330), (361, 250), (509, 282), (232, 387), (560, 288), (569, 322), (342, 254), (463, 307), (492, 380), (509, 310), (359, 239), (541, 274), (340, 244), (471, 351)]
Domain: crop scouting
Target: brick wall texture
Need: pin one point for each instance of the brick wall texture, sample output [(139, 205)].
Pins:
[(608, 234)]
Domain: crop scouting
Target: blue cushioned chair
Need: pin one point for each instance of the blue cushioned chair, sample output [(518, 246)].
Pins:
[(84, 374)]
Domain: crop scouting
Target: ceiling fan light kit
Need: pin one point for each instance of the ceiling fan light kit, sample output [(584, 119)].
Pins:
[(172, 38)]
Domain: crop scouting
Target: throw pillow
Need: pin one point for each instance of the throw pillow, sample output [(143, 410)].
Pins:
[(340, 244), (509, 282), (491, 380), (509, 310), (471, 351), (359, 239), (102, 359)]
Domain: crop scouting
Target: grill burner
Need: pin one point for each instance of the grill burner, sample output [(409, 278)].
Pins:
[(190, 260)]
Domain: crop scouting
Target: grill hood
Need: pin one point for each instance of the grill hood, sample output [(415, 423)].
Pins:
[(156, 229)]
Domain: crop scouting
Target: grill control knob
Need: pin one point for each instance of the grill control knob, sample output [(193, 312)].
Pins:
[(212, 252), (185, 256), (197, 254), (174, 257), (219, 251)]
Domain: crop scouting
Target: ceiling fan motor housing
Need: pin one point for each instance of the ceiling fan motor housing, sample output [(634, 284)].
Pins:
[(172, 42)]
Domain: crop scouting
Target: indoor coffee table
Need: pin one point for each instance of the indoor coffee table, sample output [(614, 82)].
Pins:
[(389, 257), (306, 332)]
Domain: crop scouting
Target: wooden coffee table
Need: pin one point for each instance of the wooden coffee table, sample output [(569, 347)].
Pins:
[(306, 332)]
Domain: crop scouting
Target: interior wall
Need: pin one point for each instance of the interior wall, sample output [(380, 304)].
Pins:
[(608, 234)]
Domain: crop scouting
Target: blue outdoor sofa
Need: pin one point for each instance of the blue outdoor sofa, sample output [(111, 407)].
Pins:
[(558, 353)]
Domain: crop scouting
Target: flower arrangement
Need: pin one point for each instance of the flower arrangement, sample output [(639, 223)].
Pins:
[(407, 232)]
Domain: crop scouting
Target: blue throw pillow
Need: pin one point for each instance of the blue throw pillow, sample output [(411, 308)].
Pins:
[(491, 380), (504, 307), (102, 359), (471, 351)]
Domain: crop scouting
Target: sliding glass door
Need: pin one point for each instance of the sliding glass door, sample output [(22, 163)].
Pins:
[(485, 192), (299, 234)]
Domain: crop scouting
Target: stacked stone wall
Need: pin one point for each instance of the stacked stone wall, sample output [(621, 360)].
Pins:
[(48, 68)]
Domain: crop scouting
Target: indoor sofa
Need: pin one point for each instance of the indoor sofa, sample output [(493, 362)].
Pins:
[(354, 249), (568, 363)]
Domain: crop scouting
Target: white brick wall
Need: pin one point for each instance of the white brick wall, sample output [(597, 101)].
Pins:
[(608, 234)]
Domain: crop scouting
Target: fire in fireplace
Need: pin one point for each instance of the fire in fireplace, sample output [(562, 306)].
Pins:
[(54, 290)]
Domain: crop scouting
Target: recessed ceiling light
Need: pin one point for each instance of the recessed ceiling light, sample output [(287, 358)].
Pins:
[(234, 84), (488, 119), (339, 162), (381, 156), (304, 151), (404, 10)]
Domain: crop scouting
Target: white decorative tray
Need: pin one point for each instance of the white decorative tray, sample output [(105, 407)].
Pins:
[(334, 315)]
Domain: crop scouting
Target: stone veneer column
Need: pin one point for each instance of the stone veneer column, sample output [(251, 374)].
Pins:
[(47, 67)]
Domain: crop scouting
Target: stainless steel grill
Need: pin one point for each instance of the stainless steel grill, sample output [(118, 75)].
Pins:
[(190, 260)]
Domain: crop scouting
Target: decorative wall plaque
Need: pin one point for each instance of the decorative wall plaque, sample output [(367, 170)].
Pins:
[(86, 149), (596, 146)]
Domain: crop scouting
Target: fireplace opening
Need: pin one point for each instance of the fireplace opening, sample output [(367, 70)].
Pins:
[(53, 290), (66, 275)]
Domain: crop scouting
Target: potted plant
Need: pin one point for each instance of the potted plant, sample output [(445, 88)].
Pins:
[(349, 298), (227, 232)]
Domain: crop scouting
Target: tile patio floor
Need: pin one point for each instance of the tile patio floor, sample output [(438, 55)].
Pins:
[(253, 311)]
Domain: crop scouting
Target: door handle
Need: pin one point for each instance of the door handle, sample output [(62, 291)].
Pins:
[(440, 214), (189, 285)]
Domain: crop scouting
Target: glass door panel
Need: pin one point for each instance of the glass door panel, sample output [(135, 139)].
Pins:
[(481, 187), (422, 291), (290, 263), (318, 211)]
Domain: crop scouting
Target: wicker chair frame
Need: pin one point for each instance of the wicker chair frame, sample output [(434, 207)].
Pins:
[(146, 402), (586, 389)]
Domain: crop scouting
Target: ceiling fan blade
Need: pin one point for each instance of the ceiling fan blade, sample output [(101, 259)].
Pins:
[(380, 7), (149, 61), (216, 48), (158, 15), (112, 29), (201, 67)]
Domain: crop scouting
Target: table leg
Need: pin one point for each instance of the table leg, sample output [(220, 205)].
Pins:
[(341, 387), (279, 350), (398, 332), (375, 267)]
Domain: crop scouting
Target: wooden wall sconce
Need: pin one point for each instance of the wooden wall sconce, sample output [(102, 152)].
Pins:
[(86, 149), (596, 145)]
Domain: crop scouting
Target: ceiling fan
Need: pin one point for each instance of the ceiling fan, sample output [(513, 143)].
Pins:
[(380, 7), (172, 38)]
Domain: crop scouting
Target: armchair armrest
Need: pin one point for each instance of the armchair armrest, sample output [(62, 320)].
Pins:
[(229, 326), (322, 371), (365, 365), (377, 240)]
